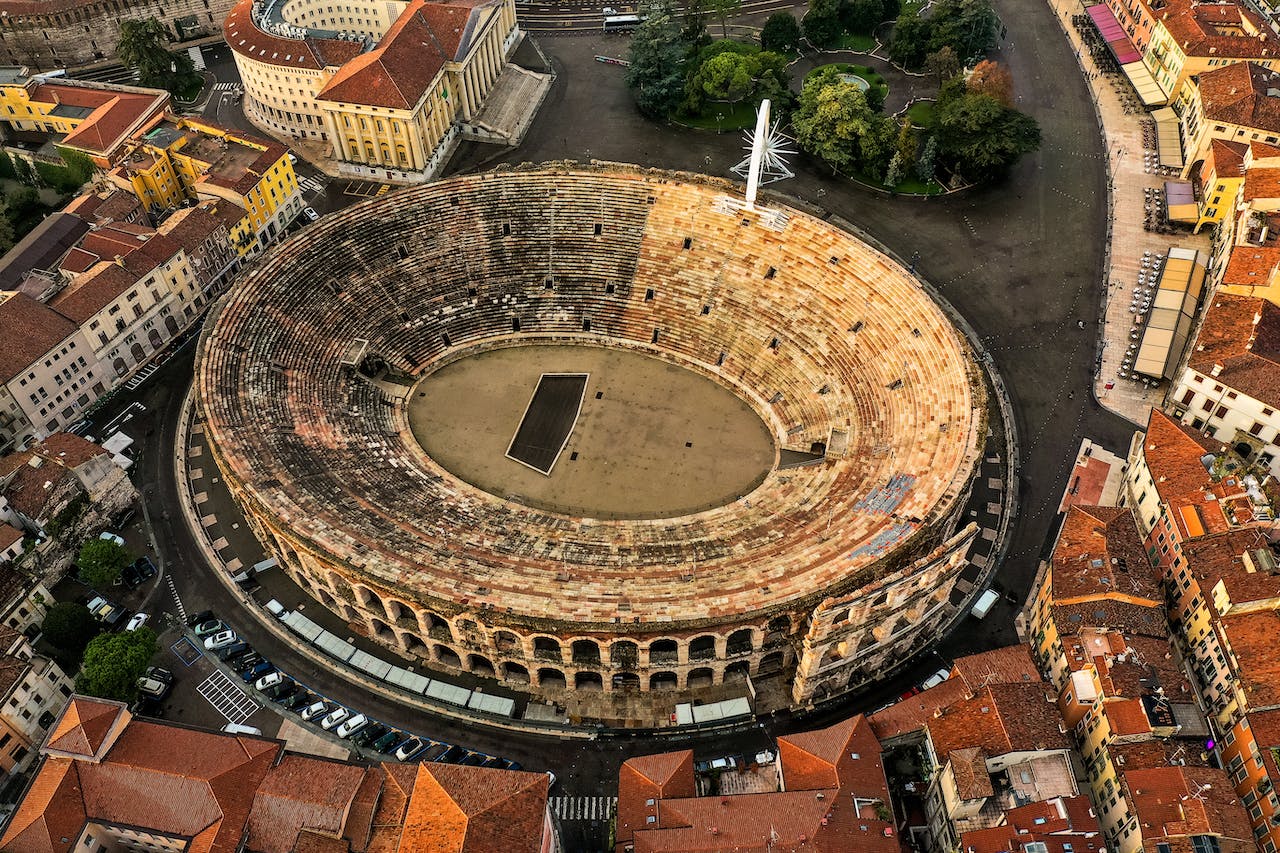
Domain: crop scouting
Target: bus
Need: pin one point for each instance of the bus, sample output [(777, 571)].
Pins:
[(621, 23)]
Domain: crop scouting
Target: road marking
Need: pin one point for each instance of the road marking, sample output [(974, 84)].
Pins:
[(583, 808), (182, 611), (311, 183), (186, 651), (227, 698), (225, 87)]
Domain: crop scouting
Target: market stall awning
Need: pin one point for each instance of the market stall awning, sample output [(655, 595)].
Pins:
[(1169, 137), (1127, 56), (1168, 326)]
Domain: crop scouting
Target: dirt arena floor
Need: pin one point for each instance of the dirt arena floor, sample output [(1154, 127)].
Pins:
[(652, 440)]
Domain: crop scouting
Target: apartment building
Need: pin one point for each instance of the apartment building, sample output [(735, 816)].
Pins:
[(60, 483), (42, 114), (33, 690), (176, 161), (1229, 387), (108, 780)]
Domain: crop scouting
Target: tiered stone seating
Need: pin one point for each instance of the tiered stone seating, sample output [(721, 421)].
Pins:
[(324, 457)]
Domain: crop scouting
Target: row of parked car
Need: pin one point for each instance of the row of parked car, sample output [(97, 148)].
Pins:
[(221, 640)]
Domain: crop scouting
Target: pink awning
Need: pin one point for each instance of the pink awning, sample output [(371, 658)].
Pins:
[(1114, 35)]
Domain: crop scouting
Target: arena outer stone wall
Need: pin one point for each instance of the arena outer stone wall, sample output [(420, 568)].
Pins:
[(825, 574)]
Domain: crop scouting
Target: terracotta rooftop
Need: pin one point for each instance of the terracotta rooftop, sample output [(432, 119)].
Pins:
[(650, 778), (913, 713), (1060, 824), (1005, 665), (28, 330), (8, 534), (115, 111), (12, 666), (1226, 29), (1252, 640), (1000, 718), (302, 792), (1175, 802), (1126, 617), (244, 37), (1242, 335), (1239, 93), (1261, 183), (1172, 452), (1251, 266), (1227, 159), (1220, 559), (1099, 554), (475, 810), (400, 70)]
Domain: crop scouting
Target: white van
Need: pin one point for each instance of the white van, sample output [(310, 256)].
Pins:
[(238, 729), (983, 605)]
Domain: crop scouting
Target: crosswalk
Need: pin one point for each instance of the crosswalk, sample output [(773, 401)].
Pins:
[(226, 697), (583, 808), (311, 184), (225, 86), (141, 376)]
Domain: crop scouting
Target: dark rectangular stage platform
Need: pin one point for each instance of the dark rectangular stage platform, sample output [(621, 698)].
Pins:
[(548, 420)]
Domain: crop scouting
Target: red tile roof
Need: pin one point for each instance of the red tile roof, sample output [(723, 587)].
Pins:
[(1242, 334), (1227, 159), (82, 728), (28, 330), (244, 37), (1172, 453), (115, 112), (8, 535), (1175, 802), (913, 713), (1099, 554), (400, 70), (1238, 94), (650, 777), (1059, 824), (126, 258), (1225, 29), (1251, 266), (1001, 718), (302, 792), (1005, 665), (458, 809)]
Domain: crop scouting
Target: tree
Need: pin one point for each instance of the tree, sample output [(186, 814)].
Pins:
[(659, 57), (113, 663), (143, 47), (893, 175), (926, 165), (781, 33), (723, 9), (968, 27), (910, 40), (728, 77), (69, 627), (821, 24), (6, 230), (101, 562), (834, 124), (980, 137), (943, 62), (861, 16), (905, 149), (991, 78)]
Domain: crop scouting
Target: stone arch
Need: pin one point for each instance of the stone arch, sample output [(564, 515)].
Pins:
[(703, 676), (702, 648), (515, 672), (446, 656), (741, 642), (624, 654), (413, 643), (438, 628), (771, 663), (831, 656), (480, 665), (381, 630), (138, 353), (551, 677), (663, 681), (588, 680), (153, 337), (119, 366), (399, 611), (664, 651), (547, 648), (505, 641), (170, 324), (586, 652), (326, 598), (349, 613), (841, 617), (780, 625), (737, 671), (626, 681)]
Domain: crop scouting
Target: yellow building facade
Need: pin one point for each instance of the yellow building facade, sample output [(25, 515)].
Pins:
[(179, 160), (385, 85)]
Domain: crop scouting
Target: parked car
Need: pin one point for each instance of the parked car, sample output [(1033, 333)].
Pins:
[(452, 755), (495, 762), (299, 700), (410, 749), (314, 710), (248, 661), (108, 536), (220, 640), (271, 679), (231, 652), (153, 688), (159, 674), (508, 764), (281, 691), (311, 215), (434, 750), (728, 762), (104, 611), (935, 679), (241, 729), (257, 671), (352, 725), (213, 626), (334, 718), (136, 621), (369, 734), (200, 618), (388, 741), (144, 567), (129, 577), (474, 759), (983, 605)]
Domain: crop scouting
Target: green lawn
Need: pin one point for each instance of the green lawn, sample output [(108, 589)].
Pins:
[(736, 116), (853, 41), (921, 113)]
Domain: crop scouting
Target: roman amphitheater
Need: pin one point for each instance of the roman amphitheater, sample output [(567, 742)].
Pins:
[(602, 428)]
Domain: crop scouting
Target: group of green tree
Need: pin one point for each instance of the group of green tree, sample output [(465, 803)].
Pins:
[(144, 47), (109, 664), (828, 20), (952, 33), (976, 136), (676, 70)]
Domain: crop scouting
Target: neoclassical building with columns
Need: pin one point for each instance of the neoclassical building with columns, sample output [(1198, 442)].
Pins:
[(388, 85)]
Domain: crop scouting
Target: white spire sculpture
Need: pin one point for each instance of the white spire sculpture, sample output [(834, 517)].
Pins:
[(765, 163)]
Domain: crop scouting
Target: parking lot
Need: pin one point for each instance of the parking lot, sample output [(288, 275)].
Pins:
[(227, 698)]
